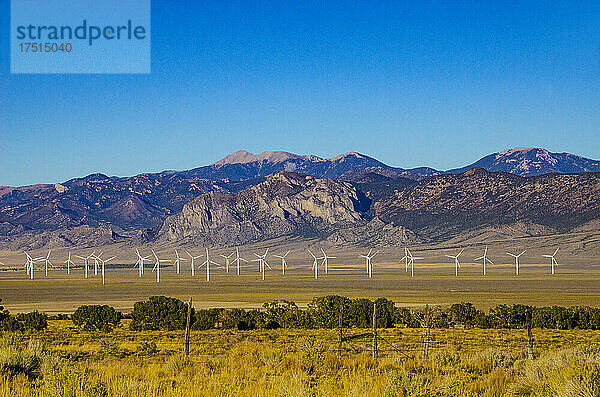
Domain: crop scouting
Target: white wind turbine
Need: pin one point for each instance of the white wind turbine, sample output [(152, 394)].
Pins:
[(86, 262), (140, 262), (516, 260), (262, 262), (412, 259), (238, 259), (192, 258), (69, 262), (456, 261), (227, 261), (315, 265), (47, 263), (178, 260), (405, 258), (207, 263), (103, 262), (368, 258), (325, 258), (157, 266), (553, 261), (30, 264), (485, 259), (96, 259), (283, 262)]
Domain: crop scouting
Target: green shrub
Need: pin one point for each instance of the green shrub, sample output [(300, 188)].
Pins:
[(206, 319), (33, 321), (159, 313), (96, 318)]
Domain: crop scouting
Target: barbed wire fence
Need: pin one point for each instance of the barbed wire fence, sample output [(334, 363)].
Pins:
[(377, 344)]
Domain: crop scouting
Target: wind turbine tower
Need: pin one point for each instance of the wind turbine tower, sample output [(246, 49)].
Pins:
[(157, 266), (368, 258), (227, 261), (178, 260), (315, 265), (516, 260), (485, 260), (553, 261), (47, 263), (207, 263), (69, 262), (283, 262), (412, 259), (238, 259), (262, 262), (140, 262), (192, 258), (456, 261), (102, 263), (325, 258)]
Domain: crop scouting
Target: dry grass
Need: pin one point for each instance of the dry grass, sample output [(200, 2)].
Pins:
[(302, 363)]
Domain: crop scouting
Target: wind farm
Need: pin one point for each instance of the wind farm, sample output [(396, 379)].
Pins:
[(418, 274)]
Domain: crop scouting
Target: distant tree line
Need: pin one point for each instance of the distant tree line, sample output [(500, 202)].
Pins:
[(323, 312), (164, 313)]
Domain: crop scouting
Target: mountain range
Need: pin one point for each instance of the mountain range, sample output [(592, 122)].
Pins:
[(347, 198)]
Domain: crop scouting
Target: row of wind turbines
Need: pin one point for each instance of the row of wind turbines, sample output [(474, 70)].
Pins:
[(100, 263)]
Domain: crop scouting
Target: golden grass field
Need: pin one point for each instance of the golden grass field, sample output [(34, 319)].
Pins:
[(461, 362)]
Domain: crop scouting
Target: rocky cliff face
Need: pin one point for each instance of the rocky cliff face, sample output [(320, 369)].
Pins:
[(444, 206), (286, 204)]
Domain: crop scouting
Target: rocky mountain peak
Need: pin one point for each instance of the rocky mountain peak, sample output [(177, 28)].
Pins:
[(273, 157)]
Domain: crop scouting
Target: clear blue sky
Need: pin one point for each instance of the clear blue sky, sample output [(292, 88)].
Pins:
[(437, 84)]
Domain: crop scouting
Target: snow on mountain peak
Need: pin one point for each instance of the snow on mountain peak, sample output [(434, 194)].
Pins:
[(520, 150), (346, 155), (244, 157)]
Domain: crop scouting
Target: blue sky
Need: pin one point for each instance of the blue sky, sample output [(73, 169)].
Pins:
[(435, 84)]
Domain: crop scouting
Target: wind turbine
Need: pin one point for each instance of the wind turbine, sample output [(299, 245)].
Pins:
[(47, 262), (30, 264), (192, 258), (368, 258), (69, 262), (86, 261), (96, 259), (102, 262), (227, 261), (315, 265), (485, 259), (283, 262), (553, 261), (405, 258), (178, 260), (207, 263), (412, 259), (456, 261), (325, 257), (157, 266), (140, 262), (238, 259), (262, 261), (516, 260)]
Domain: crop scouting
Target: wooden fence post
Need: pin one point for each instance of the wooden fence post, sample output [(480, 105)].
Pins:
[(339, 344), (529, 336), (426, 321), (187, 328), (374, 332)]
